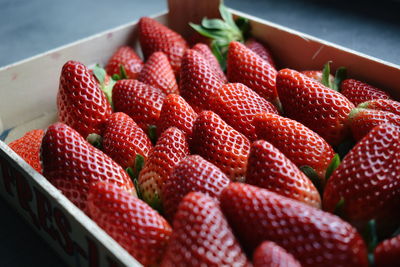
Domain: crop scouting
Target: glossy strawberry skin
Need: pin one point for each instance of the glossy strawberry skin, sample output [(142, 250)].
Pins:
[(206, 52), (81, 103), (270, 254), (140, 101), (237, 105), (156, 37), (368, 180), (72, 165), (123, 139), (129, 221), (198, 80), (176, 112), (245, 66), (387, 253), (362, 121), (125, 56), (382, 104), (307, 101), (297, 142), (220, 144), (202, 236), (313, 237), (268, 168), (358, 92), (28, 148), (317, 75), (158, 73), (170, 149), (192, 174), (261, 50)]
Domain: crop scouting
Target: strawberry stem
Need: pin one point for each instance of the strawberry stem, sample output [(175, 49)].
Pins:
[(134, 173), (326, 72), (95, 140), (100, 74), (335, 162), (340, 76)]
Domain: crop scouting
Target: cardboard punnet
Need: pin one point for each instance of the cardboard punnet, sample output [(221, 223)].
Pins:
[(28, 101)]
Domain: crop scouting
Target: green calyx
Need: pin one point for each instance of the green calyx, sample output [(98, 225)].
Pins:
[(339, 208), (152, 131), (222, 32), (134, 173), (354, 113), (95, 140), (340, 75), (371, 239), (155, 202), (363, 105), (313, 176), (100, 75), (335, 162), (122, 74)]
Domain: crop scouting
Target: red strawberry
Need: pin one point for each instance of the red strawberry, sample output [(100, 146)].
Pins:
[(321, 109), (270, 254), (170, 149), (176, 112), (205, 51), (317, 75), (126, 57), (313, 237), (382, 104), (245, 66), (270, 169), (28, 147), (358, 92), (300, 144), (387, 253), (364, 120), (72, 165), (198, 80), (219, 143), (192, 174), (158, 73), (123, 139), (202, 236), (81, 103), (140, 101), (131, 222), (237, 105), (156, 37), (368, 181), (261, 50)]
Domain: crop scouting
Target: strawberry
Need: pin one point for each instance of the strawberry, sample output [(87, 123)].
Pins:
[(123, 139), (317, 75), (367, 180), (158, 73), (270, 169), (176, 112), (382, 104), (358, 92), (237, 104), (202, 236), (131, 222), (156, 37), (126, 58), (219, 143), (28, 147), (198, 80), (140, 101), (321, 109), (312, 236), (270, 254), (362, 121), (261, 50), (192, 174), (170, 149), (72, 165), (297, 142), (387, 253), (245, 66), (205, 51), (81, 103)]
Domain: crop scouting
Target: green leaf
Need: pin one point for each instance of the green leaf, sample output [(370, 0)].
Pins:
[(326, 71), (95, 140), (122, 72), (340, 75), (153, 133), (371, 239), (214, 24), (244, 26), (116, 77), (335, 162), (339, 208), (226, 15), (156, 203), (313, 176), (221, 56), (99, 73), (134, 173), (202, 31)]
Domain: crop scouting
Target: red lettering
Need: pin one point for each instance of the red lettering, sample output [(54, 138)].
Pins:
[(7, 177), (93, 253), (45, 215), (25, 195), (65, 229)]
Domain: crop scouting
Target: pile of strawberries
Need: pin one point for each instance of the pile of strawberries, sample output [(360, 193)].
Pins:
[(186, 166)]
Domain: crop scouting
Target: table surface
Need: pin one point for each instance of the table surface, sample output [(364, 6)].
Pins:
[(32, 27)]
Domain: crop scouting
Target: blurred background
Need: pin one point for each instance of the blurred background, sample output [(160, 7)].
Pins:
[(32, 27)]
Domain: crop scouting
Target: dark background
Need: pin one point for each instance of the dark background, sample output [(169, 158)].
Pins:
[(31, 27)]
